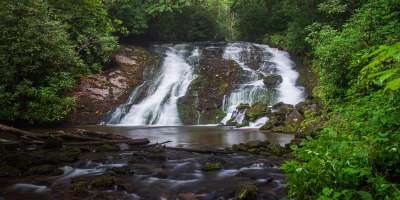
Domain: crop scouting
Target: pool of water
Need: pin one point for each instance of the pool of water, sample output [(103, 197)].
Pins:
[(194, 136)]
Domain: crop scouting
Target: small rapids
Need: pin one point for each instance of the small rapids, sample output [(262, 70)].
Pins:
[(155, 101)]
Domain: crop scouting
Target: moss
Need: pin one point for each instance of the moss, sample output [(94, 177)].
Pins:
[(6, 171), (246, 191), (243, 124), (79, 187), (256, 111), (50, 170), (243, 106), (277, 149), (212, 166), (107, 148), (121, 170), (104, 182)]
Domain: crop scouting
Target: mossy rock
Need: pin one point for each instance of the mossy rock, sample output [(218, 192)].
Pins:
[(49, 170), (243, 106), (19, 160), (247, 191), (107, 148), (104, 182), (282, 107), (277, 149), (212, 166), (256, 111), (66, 155), (9, 171), (243, 124), (79, 187), (272, 81), (122, 170)]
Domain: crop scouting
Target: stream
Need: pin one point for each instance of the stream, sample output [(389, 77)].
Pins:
[(152, 111)]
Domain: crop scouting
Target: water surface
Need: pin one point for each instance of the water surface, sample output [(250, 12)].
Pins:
[(194, 136)]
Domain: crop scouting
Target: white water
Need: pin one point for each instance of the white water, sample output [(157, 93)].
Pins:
[(159, 107), (254, 90)]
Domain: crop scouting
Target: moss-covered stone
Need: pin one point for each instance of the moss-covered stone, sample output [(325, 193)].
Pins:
[(247, 191), (49, 170), (212, 166), (272, 81), (243, 106), (9, 171), (79, 188), (257, 111), (122, 170), (203, 100), (107, 148), (104, 182)]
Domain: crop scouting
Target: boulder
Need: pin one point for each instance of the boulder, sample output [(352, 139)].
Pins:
[(256, 111), (282, 107), (272, 81), (247, 191)]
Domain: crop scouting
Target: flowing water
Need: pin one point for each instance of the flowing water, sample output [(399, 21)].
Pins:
[(159, 104), (268, 61), (151, 112)]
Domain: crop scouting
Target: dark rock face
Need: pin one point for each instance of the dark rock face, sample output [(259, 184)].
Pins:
[(99, 93), (272, 81), (203, 101)]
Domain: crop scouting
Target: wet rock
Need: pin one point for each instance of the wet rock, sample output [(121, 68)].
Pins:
[(187, 196), (272, 81), (162, 173), (126, 170), (107, 148), (243, 106), (9, 171), (49, 170), (53, 143), (79, 188), (203, 100), (97, 94), (212, 166), (301, 107), (282, 107), (104, 182), (247, 191), (295, 116), (256, 111)]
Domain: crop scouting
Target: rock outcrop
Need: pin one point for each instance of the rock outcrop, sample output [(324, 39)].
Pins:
[(97, 94), (215, 78)]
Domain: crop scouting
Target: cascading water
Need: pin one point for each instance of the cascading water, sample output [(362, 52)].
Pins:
[(159, 107), (253, 90), (155, 101)]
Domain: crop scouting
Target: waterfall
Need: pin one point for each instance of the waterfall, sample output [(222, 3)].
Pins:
[(252, 90), (155, 101), (159, 106)]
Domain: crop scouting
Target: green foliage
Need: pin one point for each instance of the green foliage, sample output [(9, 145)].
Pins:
[(356, 154), (37, 63), (89, 28), (199, 25)]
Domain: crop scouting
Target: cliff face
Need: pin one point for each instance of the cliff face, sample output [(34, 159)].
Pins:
[(100, 93)]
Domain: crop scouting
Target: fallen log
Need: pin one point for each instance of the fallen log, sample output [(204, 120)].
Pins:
[(201, 151), (20, 133), (102, 135), (68, 136), (129, 142)]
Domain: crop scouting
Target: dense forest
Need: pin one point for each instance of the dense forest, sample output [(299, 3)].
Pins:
[(352, 46)]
